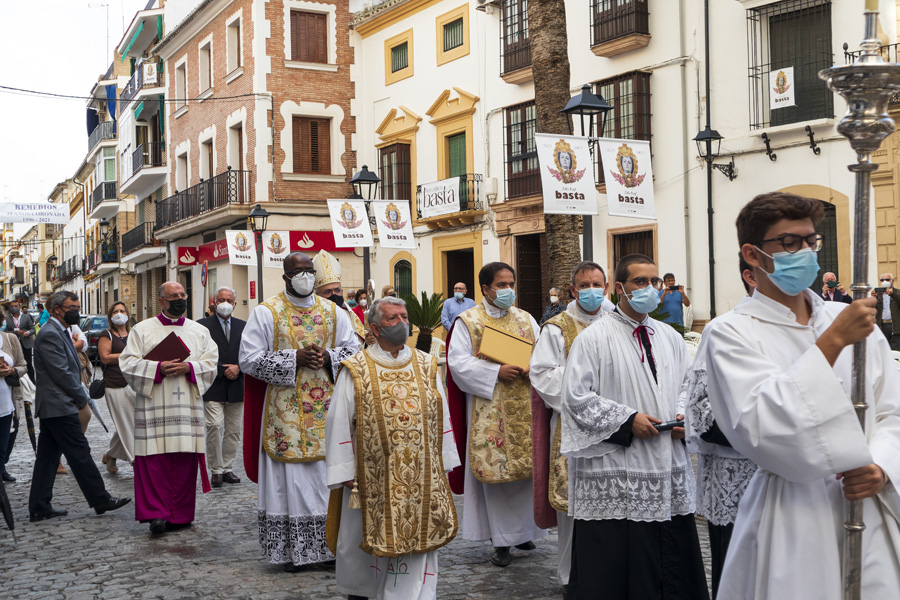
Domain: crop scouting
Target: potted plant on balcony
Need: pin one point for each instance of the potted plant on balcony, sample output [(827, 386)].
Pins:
[(425, 315)]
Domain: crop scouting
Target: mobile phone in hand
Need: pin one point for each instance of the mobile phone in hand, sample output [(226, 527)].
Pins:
[(668, 425), (880, 290), (673, 288)]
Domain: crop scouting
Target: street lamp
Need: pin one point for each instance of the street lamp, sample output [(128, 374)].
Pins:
[(709, 142), (365, 187), (257, 219), (590, 105)]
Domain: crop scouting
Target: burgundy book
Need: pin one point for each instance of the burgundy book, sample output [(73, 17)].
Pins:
[(171, 348)]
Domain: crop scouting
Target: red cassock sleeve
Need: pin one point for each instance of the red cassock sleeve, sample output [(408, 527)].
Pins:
[(456, 400), (254, 402), (544, 514)]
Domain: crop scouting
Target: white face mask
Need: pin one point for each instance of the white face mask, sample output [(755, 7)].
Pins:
[(554, 299), (886, 283), (224, 309), (303, 283), (119, 319), (364, 303)]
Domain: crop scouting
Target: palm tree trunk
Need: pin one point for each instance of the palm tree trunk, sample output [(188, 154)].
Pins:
[(423, 341), (550, 65)]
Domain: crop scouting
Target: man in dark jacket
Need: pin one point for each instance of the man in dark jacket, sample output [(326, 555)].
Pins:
[(21, 324), (833, 291), (223, 403), (887, 310)]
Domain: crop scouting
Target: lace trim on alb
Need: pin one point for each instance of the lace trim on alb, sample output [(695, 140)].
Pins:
[(721, 482), (297, 540), (619, 494), (278, 368), (337, 356), (588, 424)]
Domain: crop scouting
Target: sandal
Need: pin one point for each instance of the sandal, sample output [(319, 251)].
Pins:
[(110, 464)]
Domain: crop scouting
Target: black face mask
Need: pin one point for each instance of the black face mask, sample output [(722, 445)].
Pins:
[(337, 299), (72, 317), (177, 307)]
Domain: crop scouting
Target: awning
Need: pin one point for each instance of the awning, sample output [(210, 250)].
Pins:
[(133, 40), (138, 110)]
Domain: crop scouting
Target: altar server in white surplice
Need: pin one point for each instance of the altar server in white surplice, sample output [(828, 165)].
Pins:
[(548, 364), (779, 377), (389, 442), (169, 424), (490, 409), (631, 486), (290, 350)]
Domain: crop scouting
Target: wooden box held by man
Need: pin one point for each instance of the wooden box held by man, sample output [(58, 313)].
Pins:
[(390, 445)]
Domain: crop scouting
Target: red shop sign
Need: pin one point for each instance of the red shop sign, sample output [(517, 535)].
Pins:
[(187, 256), (214, 251), (313, 241)]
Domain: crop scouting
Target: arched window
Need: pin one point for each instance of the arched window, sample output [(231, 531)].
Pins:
[(403, 278), (828, 255)]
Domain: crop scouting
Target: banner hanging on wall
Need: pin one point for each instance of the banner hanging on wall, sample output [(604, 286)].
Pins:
[(567, 174), (275, 248), (350, 223), (781, 88), (392, 218), (440, 197), (34, 212), (241, 247), (629, 177)]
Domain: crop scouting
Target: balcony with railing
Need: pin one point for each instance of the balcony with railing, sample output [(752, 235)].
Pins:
[(147, 169), (105, 200), (471, 203), (68, 270), (220, 199), (105, 257), (619, 26), (890, 53), (147, 75), (104, 131), (140, 245)]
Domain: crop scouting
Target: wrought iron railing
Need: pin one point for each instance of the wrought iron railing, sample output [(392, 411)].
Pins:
[(149, 154), (614, 19), (69, 269), (104, 131), (137, 83), (890, 53), (107, 190), (471, 193), (230, 187), (514, 36), (106, 252), (138, 237)]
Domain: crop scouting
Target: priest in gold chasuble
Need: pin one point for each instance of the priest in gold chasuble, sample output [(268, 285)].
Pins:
[(548, 363), (290, 351), (490, 406), (389, 442)]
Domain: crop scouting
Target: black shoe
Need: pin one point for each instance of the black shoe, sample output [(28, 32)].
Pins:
[(292, 568), (501, 556), (526, 546), (157, 526), (230, 477), (8, 477), (47, 515), (352, 597), (215, 481), (176, 526), (111, 504)]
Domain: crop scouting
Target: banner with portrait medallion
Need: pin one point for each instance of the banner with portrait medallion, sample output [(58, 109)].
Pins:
[(392, 218), (241, 247), (629, 177), (567, 174), (350, 223), (276, 246)]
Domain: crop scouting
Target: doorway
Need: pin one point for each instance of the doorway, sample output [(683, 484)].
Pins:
[(828, 255), (460, 267), (532, 273)]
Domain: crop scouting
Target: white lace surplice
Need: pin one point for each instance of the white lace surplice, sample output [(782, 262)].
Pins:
[(293, 497), (604, 384)]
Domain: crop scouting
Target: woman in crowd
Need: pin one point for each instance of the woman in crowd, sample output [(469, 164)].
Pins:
[(12, 366), (119, 396), (362, 305)]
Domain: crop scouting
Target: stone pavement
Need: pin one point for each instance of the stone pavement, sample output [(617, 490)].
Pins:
[(85, 556)]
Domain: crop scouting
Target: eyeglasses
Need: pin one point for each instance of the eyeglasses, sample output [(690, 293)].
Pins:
[(296, 272), (794, 243), (644, 281), (178, 297)]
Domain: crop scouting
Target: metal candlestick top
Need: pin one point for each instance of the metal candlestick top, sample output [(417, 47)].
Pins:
[(867, 85)]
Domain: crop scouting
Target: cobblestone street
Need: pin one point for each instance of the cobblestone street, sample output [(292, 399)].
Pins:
[(112, 556)]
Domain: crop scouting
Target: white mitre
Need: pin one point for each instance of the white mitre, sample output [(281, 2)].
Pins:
[(328, 269)]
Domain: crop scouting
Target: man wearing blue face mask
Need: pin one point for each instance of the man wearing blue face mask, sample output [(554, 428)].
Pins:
[(491, 403), (455, 306), (632, 483), (548, 364), (779, 373)]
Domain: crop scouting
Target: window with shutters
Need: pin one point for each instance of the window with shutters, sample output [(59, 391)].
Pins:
[(515, 36), (456, 155), (312, 145), (523, 177), (398, 57), (396, 175), (181, 84), (234, 58), (309, 37), (629, 95), (205, 66), (789, 37), (452, 31)]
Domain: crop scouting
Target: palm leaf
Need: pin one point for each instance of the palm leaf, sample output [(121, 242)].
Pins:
[(425, 314)]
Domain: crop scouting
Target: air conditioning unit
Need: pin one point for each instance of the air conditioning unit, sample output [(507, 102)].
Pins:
[(487, 6)]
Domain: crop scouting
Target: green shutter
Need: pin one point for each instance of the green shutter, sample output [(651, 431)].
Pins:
[(456, 150), (399, 57), (453, 34)]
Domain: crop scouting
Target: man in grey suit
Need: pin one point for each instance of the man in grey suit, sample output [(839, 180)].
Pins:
[(21, 324), (58, 397)]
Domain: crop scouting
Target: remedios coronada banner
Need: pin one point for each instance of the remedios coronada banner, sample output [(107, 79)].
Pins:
[(34, 212)]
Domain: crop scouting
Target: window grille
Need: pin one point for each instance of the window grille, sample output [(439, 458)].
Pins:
[(403, 278), (396, 180), (617, 18), (523, 177), (399, 57), (795, 33), (516, 45), (453, 34), (629, 95)]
